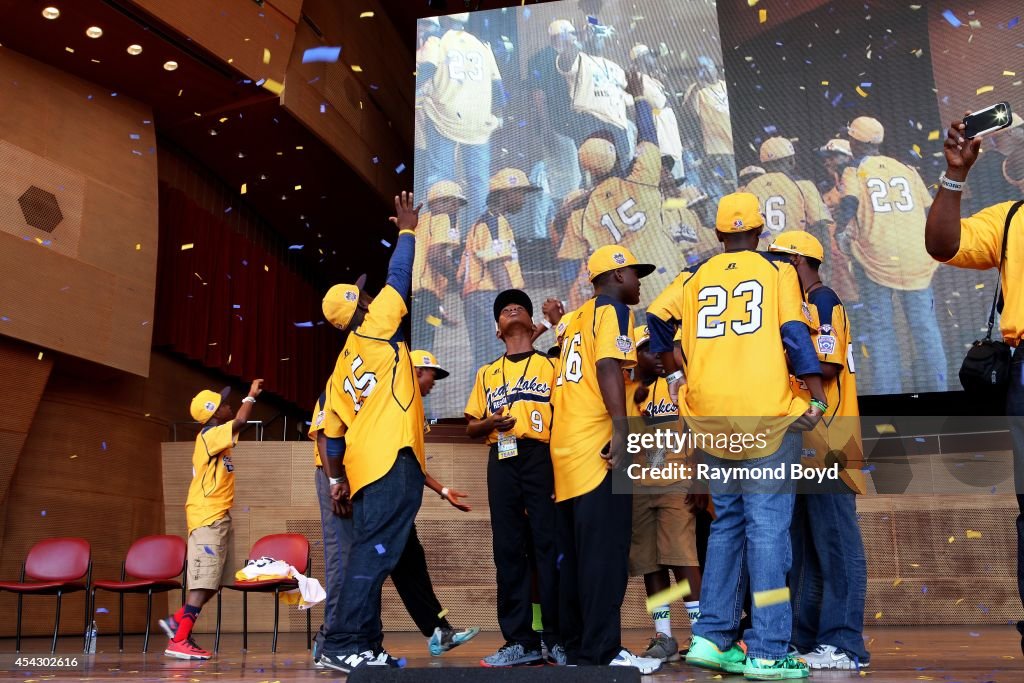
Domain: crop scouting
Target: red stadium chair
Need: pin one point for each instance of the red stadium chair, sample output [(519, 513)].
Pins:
[(293, 549), (55, 566), (158, 565)]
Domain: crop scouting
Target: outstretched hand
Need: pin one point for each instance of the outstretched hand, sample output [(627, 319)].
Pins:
[(406, 217), (960, 152)]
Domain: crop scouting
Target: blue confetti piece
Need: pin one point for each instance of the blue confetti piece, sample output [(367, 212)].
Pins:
[(323, 108), (1012, 23), (260, 82), (374, 86), (42, 513), (236, 305), (227, 210), (924, 589), (375, 160), (208, 550), (294, 247), (321, 54), (102, 610), (305, 324), (380, 549), (770, 130), (386, 243), (103, 445), (951, 18), (244, 262), (919, 439), (866, 85), (402, 662), (5, 318), (526, 13), (837, 99), (869, 468), (134, 136), (399, 168), (558, 562), (983, 608), (593, 21), (974, 634)]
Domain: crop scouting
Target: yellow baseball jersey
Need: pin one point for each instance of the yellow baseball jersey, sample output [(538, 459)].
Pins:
[(658, 409), (838, 432), (981, 243), (212, 491), (434, 230), (490, 241), (627, 211), (459, 100), (888, 240), (522, 384), (374, 391), (574, 247), (787, 204), (731, 308), (315, 425), (602, 328), (711, 104), (597, 87)]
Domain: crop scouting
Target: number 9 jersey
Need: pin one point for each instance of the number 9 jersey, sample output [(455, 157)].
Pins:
[(521, 383), (373, 391)]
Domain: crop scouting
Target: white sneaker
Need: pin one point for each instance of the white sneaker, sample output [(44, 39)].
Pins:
[(828, 657), (646, 665)]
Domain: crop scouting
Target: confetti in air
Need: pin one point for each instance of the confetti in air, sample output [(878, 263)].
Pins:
[(321, 54), (669, 595), (776, 596), (951, 18), (386, 243), (399, 168), (380, 549), (433, 321), (186, 247)]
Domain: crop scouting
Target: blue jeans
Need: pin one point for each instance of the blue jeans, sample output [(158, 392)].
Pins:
[(749, 543), (1015, 411), (829, 578), (884, 342), (337, 545), (476, 169), (382, 514)]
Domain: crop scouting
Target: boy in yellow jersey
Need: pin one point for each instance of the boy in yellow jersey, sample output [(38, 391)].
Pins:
[(828, 580), (786, 203), (886, 201), (708, 101), (436, 259), (627, 210), (490, 263), (374, 391), (588, 451), (510, 407), (741, 315), (980, 242), (664, 530), (679, 213), (462, 107), (208, 512)]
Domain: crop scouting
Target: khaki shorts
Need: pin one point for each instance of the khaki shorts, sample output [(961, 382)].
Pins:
[(664, 533), (210, 551)]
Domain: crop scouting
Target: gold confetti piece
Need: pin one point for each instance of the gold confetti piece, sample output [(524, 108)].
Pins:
[(674, 203), (984, 89), (229, 359), (273, 86), (775, 596), (667, 596), (243, 188), (917, 149), (1009, 73), (762, 15), (933, 135), (266, 268), (40, 356), (897, 582), (138, 247), (431, 320), (959, 601), (298, 187), (952, 538), (72, 457), (973, 534), (885, 429), (358, 69), (824, 82), (980, 285), (974, 23), (186, 247), (860, 91), (222, 119), (914, 565), (366, 15), (751, 3), (266, 56), (878, 615), (443, 613)]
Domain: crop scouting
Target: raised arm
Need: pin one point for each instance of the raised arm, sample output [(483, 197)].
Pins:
[(942, 230), (246, 408)]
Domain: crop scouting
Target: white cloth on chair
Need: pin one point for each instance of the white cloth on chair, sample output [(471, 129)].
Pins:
[(309, 592)]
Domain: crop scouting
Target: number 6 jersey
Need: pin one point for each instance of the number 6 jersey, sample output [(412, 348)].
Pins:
[(522, 384), (374, 393)]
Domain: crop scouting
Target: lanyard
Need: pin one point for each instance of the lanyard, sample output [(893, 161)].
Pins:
[(505, 381)]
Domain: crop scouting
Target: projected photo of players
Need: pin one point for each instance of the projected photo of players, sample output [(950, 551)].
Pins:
[(546, 132)]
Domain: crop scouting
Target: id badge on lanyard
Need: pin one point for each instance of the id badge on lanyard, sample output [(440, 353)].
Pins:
[(507, 447)]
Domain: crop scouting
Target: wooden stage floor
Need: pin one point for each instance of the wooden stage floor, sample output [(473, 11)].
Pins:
[(964, 654)]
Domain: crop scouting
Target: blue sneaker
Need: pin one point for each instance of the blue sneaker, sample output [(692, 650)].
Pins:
[(514, 654), (445, 639)]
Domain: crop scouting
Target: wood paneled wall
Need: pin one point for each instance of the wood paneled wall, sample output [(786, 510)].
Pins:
[(916, 575), (86, 288)]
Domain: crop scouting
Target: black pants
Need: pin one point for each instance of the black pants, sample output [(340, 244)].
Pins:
[(412, 581), (594, 534), (520, 490)]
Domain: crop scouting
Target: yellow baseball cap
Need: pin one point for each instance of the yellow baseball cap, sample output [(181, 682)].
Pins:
[(445, 188), (597, 155), (867, 129), (836, 146), (776, 148), (738, 212), (340, 302), (559, 26), (641, 335), (206, 403), (613, 257), (510, 179), (425, 359), (798, 242)]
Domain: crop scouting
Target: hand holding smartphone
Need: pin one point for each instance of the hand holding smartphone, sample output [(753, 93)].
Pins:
[(987, 120)]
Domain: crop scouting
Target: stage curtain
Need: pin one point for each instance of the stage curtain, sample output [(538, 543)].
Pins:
[(233, 306)]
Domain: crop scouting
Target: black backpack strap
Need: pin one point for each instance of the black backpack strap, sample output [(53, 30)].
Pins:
[(997, 300)]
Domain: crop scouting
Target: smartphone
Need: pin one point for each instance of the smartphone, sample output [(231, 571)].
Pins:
[(988, 120)]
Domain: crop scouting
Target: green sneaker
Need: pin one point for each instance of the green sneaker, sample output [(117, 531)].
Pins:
[(705, 654), (777, 670)]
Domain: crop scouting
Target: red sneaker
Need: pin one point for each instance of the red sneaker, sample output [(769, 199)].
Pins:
[(186, 649)]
